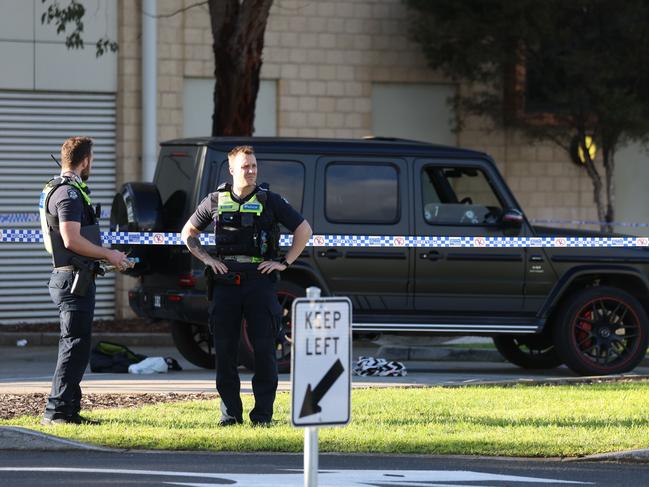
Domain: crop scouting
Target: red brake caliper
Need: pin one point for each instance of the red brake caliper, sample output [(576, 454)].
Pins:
[(583, 329)]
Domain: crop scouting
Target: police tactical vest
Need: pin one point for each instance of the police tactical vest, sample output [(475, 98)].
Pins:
[(50, 223), (247, 228)]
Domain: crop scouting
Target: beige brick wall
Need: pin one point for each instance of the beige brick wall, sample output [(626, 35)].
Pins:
[(325, 55)]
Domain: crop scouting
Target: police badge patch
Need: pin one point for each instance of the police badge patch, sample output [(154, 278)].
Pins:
[(73, 194)]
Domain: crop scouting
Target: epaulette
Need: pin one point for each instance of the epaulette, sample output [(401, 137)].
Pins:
[(224, 187)]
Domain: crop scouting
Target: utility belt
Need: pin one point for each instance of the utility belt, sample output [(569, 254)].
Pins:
[(234, 278), (243, 259), (85, 271)]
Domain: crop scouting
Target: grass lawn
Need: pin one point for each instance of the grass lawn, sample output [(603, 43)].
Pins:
[(547, 421)]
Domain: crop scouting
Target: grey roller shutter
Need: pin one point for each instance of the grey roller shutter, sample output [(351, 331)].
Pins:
[(33, 125)]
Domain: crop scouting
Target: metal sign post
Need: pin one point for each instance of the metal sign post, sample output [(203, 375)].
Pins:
[(320, 370)]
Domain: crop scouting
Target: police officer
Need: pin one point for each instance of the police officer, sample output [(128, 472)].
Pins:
[(71, 232), (244, 264)]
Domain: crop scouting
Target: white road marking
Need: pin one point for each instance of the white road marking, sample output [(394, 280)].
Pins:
[(326, 478)]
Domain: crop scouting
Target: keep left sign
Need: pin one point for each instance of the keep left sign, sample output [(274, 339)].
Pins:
[(321, 361)]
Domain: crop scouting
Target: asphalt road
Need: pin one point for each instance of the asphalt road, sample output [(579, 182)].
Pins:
[(29, 369), (257, 470)]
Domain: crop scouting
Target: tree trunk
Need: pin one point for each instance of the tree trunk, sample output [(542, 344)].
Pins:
[(238, 30), (608, 155), (597, 185)]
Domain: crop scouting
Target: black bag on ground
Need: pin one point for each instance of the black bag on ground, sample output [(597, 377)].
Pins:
[(112, 357)]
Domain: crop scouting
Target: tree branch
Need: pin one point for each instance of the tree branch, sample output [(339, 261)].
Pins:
[(176, 12)]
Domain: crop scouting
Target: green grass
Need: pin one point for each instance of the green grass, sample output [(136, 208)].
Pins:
[(548, 421)]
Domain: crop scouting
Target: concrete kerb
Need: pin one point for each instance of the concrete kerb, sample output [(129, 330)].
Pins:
[(23, 439), (16, 438)]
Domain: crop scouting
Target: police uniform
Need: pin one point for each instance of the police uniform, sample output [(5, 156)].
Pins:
[(65, 199), (246, 233)]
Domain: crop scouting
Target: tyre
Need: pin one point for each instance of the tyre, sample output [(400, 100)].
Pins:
[(528, 351), (286, 293), (194, 343), (137, 207), (601, 330)]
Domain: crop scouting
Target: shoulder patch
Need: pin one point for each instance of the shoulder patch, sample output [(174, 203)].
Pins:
[(72, 194), (285, 200)]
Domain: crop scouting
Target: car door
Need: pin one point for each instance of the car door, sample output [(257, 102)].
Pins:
[(364, 196), (453, 198)]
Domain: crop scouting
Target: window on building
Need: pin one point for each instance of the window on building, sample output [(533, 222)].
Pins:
[(198, 107), (356, 193), (418, 111)]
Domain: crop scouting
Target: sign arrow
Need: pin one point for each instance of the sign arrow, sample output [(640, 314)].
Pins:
[(312, 397)]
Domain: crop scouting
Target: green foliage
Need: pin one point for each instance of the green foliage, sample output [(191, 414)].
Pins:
[(546, 421), (72, 15), (582, 61), (586, 57)]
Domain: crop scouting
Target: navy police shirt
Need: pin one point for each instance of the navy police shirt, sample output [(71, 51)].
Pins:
[(67, 203), (281, 210)]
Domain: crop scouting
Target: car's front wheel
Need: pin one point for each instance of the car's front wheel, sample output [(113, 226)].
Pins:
[(194, 342), (528, 351), (286, 294), (601, 330)]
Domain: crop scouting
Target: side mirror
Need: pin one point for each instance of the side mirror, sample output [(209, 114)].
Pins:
[(512, 218)]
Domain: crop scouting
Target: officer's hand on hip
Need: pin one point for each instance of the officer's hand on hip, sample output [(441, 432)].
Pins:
[(268, 266), (217, 266)]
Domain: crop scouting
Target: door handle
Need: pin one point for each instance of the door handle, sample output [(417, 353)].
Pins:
[(330, 253), (431, 255)]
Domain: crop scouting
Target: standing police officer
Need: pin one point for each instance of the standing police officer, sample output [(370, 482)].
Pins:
[(246, 230), (71, 233)]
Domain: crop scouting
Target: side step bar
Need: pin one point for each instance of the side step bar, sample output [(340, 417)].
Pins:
[(449, 327)]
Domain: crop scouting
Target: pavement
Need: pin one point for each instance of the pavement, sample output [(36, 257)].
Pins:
[(26, 369)]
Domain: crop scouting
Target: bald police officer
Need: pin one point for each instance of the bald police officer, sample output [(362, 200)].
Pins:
[(71, 233), (244, 265)]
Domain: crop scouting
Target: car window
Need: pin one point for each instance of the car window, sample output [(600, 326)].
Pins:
[(285, 178), (362, 193), (458, 196)]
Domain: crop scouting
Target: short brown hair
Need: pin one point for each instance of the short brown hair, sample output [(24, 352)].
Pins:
[(241, 149), (74, 150)]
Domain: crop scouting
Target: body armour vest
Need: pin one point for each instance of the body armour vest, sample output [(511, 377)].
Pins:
[(245, 228), (50, 223)]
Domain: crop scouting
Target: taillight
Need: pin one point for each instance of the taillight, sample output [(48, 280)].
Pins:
[(186, 280), (174, 298)]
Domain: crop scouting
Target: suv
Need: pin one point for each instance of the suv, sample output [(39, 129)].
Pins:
[(583, 307)]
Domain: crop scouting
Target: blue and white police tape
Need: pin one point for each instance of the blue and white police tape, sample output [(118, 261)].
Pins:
[(153, 238)]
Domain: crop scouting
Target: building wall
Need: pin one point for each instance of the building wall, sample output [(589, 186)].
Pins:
[(34, 56), (326, 56)]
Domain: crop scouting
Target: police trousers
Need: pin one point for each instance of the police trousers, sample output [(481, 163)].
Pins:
[(75, 314), (254, 300)]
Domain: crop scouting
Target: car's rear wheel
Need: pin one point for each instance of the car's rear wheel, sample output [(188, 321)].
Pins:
[(528, 351), (194, 342), (602, 330), (286, 294)]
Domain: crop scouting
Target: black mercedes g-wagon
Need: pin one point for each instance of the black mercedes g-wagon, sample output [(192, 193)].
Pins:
[(583, 307)]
